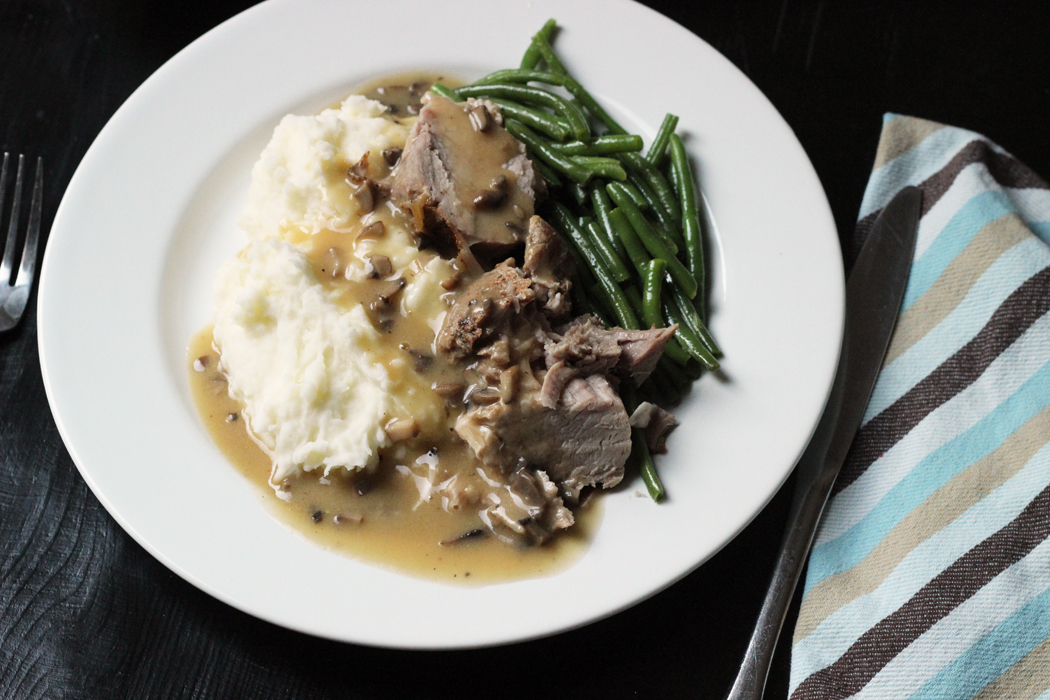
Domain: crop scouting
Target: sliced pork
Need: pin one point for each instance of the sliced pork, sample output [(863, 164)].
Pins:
[(468, 181)]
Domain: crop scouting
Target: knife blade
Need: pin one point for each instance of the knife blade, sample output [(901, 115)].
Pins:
[(874, 293)]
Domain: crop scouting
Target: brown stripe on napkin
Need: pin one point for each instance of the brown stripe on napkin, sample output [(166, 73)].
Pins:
[(1004, 169), (932, 603), (1025, 306)]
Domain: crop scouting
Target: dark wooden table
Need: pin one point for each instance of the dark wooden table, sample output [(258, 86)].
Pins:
[(86, 613)]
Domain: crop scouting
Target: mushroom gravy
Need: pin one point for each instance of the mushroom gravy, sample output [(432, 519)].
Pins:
[(378, 517), (381, 516)]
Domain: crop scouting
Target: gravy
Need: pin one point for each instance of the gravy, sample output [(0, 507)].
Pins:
[(381, 516), (378, 520)]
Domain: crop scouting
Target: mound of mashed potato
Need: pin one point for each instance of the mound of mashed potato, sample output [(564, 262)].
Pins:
[(318, 386), (299, 182)]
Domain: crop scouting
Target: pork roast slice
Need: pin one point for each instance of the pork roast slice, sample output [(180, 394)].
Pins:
[(582, 441), (485, 310), (640, 351), (589, 347), (657, 424), (471, 174), (550, 266)]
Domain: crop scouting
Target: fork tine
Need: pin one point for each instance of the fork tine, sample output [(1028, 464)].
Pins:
[(5, 272), (28, 266), (12, 230)]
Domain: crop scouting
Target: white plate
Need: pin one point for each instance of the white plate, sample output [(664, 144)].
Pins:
[(149, 216)]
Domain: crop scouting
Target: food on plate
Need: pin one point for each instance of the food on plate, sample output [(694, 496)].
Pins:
[(457, 310)]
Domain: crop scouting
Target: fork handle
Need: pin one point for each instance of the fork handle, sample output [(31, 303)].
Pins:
[(816, 473)]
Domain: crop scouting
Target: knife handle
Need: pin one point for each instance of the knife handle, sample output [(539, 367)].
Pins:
[(815, 477)]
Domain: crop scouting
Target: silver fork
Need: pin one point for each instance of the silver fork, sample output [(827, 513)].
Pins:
[(14, 293)]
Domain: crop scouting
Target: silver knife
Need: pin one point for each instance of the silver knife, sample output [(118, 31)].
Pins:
[(874, 293)]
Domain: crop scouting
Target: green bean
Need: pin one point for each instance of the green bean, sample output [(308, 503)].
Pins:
[(612, 259), (613, 294), (602, 206), (686, 336), (604, 167), (644, 459), (542, 149), (651, 307), (545, 171), (575, 89), (566, 223), (694, 246), (550, 124), (656, 181), (532, 54), (642, 191), (658, 148), (667, 390), (618, 302), (693, 320), (654, 277), (636, 195), (536, 96), (517, 75), (583, 273), (579, 195), (600, 302), (693, 369), (634, 297), (603, 316), (580, 303), (676, 353), (601, 145), (585, 305), (674, 372), (625, 232), (445, 91), (650, 240)]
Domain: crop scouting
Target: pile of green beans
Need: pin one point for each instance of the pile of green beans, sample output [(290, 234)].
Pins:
[(631, 218)]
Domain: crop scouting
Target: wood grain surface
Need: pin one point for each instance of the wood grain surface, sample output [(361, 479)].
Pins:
[(86, 613)]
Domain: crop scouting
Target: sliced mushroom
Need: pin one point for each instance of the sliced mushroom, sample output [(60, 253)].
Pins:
[(381, 266), (401, 429), (386, 292), (480, 118), (358, 172), (365, 195), (376, 229)]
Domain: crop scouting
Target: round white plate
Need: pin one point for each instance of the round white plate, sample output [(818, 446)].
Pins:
[(150, 214)]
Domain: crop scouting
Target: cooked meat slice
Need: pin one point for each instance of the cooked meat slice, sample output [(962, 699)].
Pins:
[(529, 507), (641, 350), (527, 178), (547, 257), (478, 182), (583, 441), (588, 346), (657, 424), (485, 310), (550, 265), (554, 383), (660, 426)]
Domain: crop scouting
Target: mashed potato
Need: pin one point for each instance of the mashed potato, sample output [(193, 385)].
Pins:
[(299, 182), (318, 385), (300, 362)]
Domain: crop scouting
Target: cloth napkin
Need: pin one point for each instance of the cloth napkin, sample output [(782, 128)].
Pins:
[(930, 573)]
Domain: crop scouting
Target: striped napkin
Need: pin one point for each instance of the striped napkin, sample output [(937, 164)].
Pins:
[(930, 574)]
